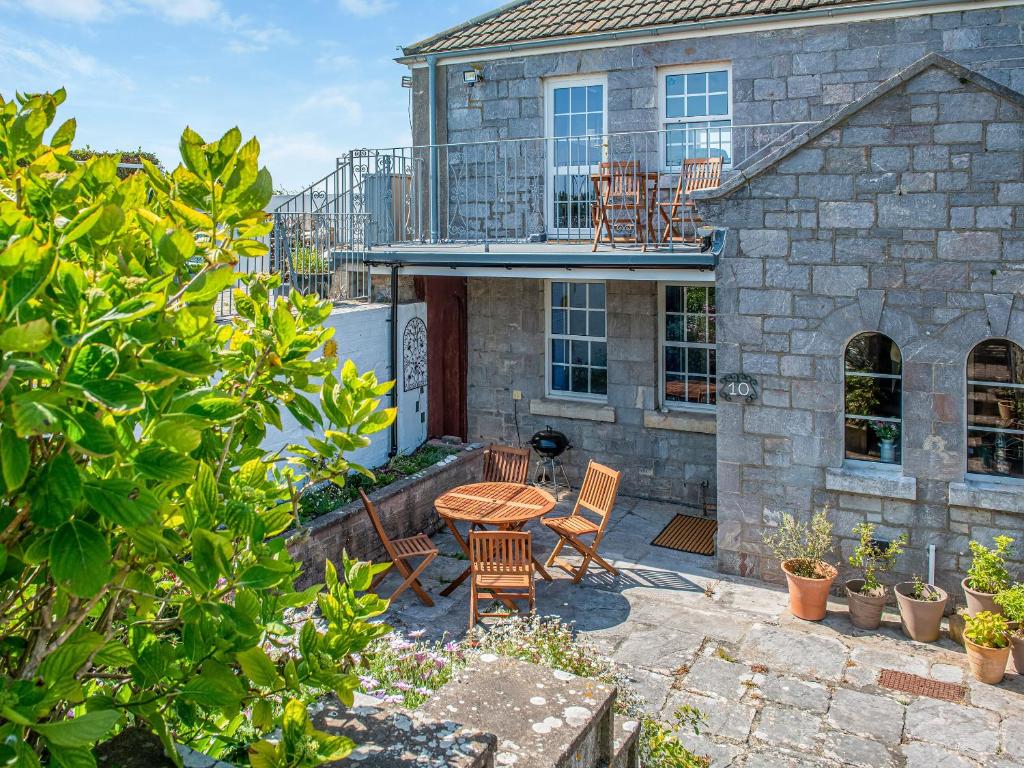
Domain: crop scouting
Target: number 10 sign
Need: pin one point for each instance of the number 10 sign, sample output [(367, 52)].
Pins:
[(737, 386)]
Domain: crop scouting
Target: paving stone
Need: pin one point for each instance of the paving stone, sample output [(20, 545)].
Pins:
[(965, 729), (866, 714), (879, 659), (921, 755), (998, 698), (784, 650), (776, 758), (1011, 736), (947, 673), (788, 726), (714, 676), (796, 693), (658, 649), (725, 719), (850, 749), (722, 755), (651, 686)]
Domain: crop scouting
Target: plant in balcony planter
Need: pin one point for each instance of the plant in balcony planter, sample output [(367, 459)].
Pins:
[(887, 434), (311, 270), (987, 639), (921, 609), (987, 575), (801, 549), (867, 596), (1011, 600)]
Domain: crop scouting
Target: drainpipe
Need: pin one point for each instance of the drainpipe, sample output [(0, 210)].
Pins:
[(432, 180), (393, 450)]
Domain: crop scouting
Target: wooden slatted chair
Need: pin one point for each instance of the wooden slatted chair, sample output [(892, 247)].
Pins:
[(597, 496), (401, 551), (621, 202), (501, 565), (697, 173), (505, 464)]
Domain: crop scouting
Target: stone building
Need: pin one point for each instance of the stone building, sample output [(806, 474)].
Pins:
[(871, 204)]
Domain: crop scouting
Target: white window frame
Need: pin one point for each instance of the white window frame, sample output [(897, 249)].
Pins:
[(674, 405), (559, 394), (664, 120), (979, 477), (550, 84)]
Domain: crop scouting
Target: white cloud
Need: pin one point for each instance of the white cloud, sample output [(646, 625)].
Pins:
[(40, 64), (74, 10), (183, 11), (366, 8)]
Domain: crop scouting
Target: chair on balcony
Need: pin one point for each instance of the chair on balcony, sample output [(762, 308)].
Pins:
[(505, 464), (697, 173), (620, 202), (501, 568), (597, 496), (401, 551)]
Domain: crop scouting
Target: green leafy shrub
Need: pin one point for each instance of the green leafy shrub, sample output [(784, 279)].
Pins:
[(987, 629), (924, 592), (143, 580), (988, 567), (308, 261), (873, 560), (885, 431), (1011, 600), (804, 545)]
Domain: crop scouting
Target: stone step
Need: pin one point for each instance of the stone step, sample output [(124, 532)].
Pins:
[(626, 744)]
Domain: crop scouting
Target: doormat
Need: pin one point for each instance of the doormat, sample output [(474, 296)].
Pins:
[(689, 534), (922, 686)]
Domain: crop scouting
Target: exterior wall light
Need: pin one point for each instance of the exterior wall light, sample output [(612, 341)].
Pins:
[(471, 77)]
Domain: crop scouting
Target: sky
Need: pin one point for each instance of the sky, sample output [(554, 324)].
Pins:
[(310, 79)]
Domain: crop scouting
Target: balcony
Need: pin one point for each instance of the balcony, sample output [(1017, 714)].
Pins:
[(540, 196)]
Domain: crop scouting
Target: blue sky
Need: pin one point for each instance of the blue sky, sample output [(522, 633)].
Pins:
[(309, 78)]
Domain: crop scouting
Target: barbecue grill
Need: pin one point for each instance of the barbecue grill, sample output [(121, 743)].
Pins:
[(549, 444)]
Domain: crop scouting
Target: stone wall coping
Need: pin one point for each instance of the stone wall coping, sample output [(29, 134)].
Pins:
[(682, 421), (573, 409), (986, 494), (872, 481)]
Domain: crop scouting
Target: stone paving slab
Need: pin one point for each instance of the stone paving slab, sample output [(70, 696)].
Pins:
[(776, 692)]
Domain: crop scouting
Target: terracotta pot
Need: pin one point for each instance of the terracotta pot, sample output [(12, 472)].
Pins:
[(808, 597), (865, 610), (1017, 651), (921, 619), (987, 664), (979, 601)]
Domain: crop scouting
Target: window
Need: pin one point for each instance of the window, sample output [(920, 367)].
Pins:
[(874, 399), (995, 409), (576, 123), (579, 349), (696, 105), (688, 346)]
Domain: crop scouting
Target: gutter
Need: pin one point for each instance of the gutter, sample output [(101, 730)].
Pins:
[(432, 182), (393, 431), (713, 24)]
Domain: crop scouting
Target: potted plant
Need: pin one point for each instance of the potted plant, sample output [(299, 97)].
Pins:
[(987, 575), (921, 608), (887, 434), (1012, 602), (987, 639), (867, 595), (311, 271), (801, 548)]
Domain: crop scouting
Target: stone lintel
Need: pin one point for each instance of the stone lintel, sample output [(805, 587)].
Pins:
[(981, 494), (573, 409), (682, 421), (871, 481)]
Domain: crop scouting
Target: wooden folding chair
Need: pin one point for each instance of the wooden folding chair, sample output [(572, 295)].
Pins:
[(621, 192), (505, 464), (501, 565), (600, 487), (697, 173), (400, 551)]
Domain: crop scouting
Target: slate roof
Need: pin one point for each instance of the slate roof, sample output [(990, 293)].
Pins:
[(532, 20)]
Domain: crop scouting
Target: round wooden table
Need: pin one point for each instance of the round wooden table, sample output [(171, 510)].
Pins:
[(505, 506)]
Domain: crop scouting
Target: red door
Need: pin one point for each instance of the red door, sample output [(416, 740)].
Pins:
[(447, 354)]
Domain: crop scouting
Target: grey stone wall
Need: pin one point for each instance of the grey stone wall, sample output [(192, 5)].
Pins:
[(507, 352), (779, 76), (906, 218)]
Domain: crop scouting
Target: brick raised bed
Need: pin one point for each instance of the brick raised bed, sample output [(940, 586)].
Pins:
[(406, 507)]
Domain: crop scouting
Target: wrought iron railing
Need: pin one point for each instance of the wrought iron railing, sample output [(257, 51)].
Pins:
[(322, 252), (511, 190)]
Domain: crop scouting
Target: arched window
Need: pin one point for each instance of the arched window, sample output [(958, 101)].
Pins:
[(995, 409), (874, 399)]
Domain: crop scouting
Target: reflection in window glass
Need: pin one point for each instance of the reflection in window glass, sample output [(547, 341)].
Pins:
[(578, 113), (697, 115), (579, 353), (689, 348), (874, 399), (995, 409)]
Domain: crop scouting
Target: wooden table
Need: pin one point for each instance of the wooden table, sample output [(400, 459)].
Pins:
[(505, 506), (604, 184)]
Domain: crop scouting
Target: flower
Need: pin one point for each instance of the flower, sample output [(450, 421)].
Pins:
[(402, 685), (417, 634), (368, 682)]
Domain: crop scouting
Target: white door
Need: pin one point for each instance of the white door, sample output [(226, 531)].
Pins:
[(576, 116)]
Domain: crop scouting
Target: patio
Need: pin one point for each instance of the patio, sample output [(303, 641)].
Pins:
[(776, 691)]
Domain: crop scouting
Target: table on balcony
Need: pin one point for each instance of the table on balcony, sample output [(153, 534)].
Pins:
[(622, 186)]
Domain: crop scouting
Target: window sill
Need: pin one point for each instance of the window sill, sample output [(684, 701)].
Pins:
[(573, 409), (872, 481), (986, 494), (682, 421)]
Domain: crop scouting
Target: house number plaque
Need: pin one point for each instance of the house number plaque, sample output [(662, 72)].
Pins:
[(737, 386)]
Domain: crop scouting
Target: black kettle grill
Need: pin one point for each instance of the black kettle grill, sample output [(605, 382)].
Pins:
[(549, 444)]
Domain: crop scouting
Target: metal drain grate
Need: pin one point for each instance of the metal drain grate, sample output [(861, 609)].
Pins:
[(922, 686)]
